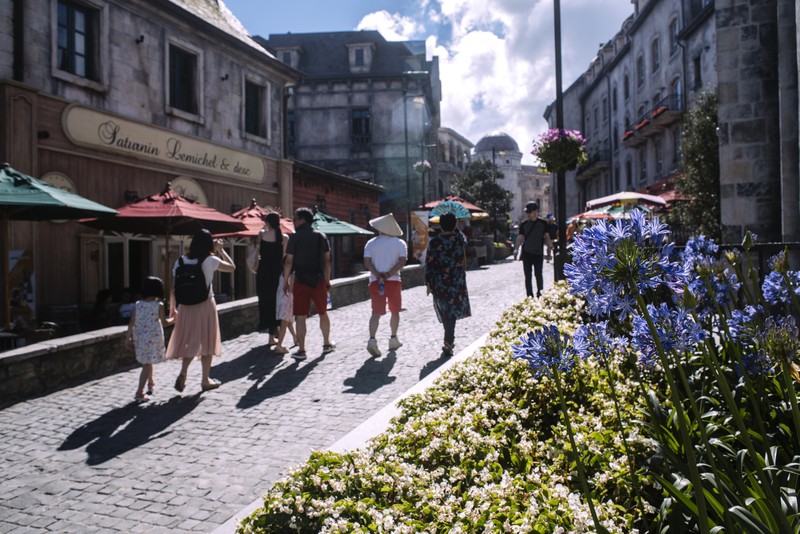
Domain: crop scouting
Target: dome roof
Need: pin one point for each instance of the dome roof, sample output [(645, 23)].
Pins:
[(497, 141)]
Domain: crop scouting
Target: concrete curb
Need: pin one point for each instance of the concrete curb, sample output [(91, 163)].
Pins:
[(379, 422)]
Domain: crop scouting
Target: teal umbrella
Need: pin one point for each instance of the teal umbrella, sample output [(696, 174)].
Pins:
[(24, 198), (331, 226)]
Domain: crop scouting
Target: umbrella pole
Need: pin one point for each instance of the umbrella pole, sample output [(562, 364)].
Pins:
[(167, 273)]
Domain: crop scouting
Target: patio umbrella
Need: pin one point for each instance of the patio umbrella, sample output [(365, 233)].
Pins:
[(472, 208), (24, 198), (331, 226), (626, 197), (253, 219), (166, 213)]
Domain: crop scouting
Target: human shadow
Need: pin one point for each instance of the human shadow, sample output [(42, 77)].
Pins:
[(372, 375), (282, 382), (255, 364), (137, 424), (432, 365)]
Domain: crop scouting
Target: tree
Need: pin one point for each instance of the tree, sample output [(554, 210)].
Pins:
[(700, 156), (478, 184)]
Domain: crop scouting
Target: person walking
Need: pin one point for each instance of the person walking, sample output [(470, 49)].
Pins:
[(384, 257), (446, 278), (308, 256), (271, 244), (196, 333), (533, 235), (146, 334)]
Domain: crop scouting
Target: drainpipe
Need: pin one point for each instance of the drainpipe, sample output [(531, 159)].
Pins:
[(18, 29)]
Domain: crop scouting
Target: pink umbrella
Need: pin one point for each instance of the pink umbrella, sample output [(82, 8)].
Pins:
[(253, 219)]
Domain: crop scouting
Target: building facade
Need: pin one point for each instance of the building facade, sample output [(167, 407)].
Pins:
[(455, 153), (366, 108), (527, 183), (632, 99), (114, 99)]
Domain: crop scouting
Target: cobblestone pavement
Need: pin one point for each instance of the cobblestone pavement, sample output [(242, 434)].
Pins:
[(88, 459)]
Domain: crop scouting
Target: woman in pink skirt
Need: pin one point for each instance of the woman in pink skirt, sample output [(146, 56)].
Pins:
[(196, 333)]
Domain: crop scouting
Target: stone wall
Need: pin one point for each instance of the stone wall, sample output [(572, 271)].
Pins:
[(49, 365)]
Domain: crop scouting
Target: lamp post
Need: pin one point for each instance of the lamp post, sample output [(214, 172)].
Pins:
[(408, 173), (561, 215)]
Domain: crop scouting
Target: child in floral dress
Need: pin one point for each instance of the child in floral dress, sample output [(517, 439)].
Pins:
[(146, 333)]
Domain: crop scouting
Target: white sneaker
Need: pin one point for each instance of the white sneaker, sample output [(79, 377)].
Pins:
[(372, 347), (394, 343)]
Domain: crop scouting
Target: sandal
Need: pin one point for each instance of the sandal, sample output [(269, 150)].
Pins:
[(212, 384), (150, 388), (299, 355), (280, 350), (140, 399), (180, 383)]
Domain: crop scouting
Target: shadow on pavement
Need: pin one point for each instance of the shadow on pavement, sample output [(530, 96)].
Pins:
[(255, 364), (138, 424), (432, 365), (373, 375), (282, 382)]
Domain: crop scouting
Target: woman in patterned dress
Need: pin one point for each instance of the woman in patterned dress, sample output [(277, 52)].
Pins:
[(146, 333), (446, 278)]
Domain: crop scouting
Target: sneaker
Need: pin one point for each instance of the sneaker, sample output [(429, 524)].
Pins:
[(141, 399), (299, 355), (372, 347), (447, 350), (394, 343)]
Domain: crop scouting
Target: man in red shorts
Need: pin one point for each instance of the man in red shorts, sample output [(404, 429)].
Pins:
[(384, 257), (308, 255)]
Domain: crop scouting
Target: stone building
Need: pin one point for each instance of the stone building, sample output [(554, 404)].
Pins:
[(114, 99), (527, 183), (455, 153), (632, 98), (365, 108)]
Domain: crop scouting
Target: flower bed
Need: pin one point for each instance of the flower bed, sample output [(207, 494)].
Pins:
[(674, 411)]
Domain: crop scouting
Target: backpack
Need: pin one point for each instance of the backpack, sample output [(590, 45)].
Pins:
[(190, 283)]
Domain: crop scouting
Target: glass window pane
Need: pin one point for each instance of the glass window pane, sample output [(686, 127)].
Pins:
[(80, 44), (80, 21), (62, 14), (80, 66), (62, 37)]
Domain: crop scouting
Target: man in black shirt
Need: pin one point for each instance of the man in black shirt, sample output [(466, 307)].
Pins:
[(533, 234), (308, 255)]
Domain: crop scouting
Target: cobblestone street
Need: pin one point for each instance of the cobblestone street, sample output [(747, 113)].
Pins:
[(88, 459)]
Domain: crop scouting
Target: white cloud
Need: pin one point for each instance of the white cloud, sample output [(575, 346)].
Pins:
[(496, 57)]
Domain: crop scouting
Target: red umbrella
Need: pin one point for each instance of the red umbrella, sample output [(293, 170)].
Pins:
[(167, 214), (253, 219)]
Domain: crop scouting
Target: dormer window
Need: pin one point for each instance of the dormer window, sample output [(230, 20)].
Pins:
[(288, 56), (360, 57)]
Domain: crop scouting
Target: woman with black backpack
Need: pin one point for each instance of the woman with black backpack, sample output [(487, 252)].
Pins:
[(196, 333)]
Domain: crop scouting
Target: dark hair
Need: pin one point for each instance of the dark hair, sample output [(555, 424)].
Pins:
[(304, 213), (447, 221), (202, 245), (273, 219), (153, 287)]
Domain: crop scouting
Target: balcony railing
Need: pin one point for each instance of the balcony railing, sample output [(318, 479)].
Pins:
[(599, 161), (667, 111)]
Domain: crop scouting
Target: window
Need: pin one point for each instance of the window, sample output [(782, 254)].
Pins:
[(605, 109), (659, 149), (639, 71), (183, 81), (643, 166), (616, 137), (626, 87), (617, 185), (596, 120), (673, 36), (537, 183), (655, 55), (286, 58), (359, 60), (290, 130), (677, 94), (676, 146), (628, 174), (77, 40), (360, 127), (614, 99), (254, 109)]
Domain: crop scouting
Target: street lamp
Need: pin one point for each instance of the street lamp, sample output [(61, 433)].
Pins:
[(561, 215)]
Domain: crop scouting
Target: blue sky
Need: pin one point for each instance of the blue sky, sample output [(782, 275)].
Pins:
[(495, 56)]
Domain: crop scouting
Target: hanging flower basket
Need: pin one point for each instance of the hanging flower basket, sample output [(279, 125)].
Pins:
[(560, 150), (422, 166)]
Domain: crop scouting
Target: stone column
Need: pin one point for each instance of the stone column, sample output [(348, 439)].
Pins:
[(749, 119)]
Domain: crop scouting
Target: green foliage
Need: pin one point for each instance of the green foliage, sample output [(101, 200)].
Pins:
[(478, 184), (700, 157)]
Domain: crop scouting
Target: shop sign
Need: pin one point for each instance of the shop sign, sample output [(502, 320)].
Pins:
[(95, 129)]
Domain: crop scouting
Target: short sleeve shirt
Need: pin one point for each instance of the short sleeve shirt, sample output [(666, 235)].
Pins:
[(384, 251), (533, 232), (307, 246), (209, 266)]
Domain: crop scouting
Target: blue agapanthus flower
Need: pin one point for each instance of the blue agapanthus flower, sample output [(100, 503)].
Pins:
[(613, 262), (675, 330), (756, 364), (711, 281), (775, 287), (546, 351), (744, 323), (772, 339), (593, 339)]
